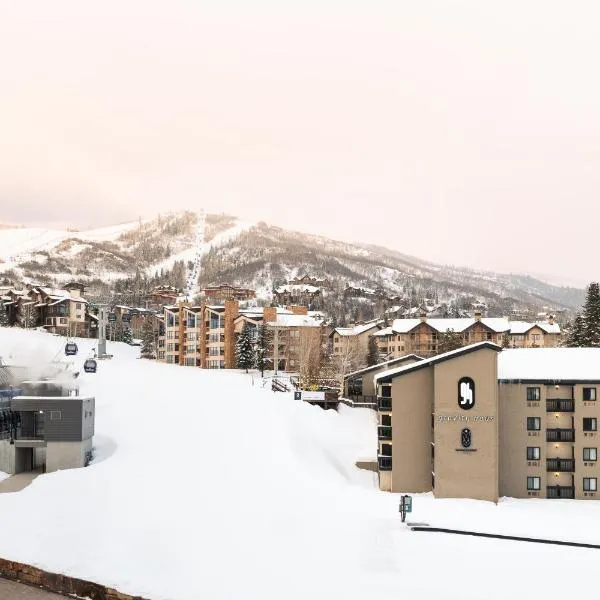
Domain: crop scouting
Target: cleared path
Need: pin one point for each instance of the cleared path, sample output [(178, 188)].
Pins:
[(9, 590), (15, 483)]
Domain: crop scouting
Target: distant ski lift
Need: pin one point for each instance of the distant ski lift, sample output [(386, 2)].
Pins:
[(71, 348), (90, 365)]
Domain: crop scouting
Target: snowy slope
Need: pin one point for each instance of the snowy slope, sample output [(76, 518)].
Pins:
[(189, 254), (14, 243), (206, 486)]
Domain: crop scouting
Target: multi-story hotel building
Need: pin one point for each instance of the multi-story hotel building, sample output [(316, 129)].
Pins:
[(482, 422), (421, 336)]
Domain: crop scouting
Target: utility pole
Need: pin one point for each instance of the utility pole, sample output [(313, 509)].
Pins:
[(102, 318)]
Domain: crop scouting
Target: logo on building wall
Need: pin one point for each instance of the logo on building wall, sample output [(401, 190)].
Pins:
[(466, 393), (465, 438)]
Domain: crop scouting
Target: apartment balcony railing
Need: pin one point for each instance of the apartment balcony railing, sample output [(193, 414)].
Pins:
[(362, 399), (560, 491), (384, 403), (384, 432), (384, 463), (560, 465), (556, 405), (560, 435)]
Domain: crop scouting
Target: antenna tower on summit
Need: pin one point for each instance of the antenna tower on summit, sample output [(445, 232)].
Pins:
[(194, 273)]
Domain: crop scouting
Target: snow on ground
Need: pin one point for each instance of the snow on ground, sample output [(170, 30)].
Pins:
[(26, 240), (207, 485)]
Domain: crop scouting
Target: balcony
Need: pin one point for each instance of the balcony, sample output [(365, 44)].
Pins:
[(384, 403), (560, 491), (384, 463), (560, 465), (560, 435), (556, 405), (384, 432)]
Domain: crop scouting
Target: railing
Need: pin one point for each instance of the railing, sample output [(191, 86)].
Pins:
[(560, 465), (560, 491), (384, 403), (362, 399), (384, 432), (384, 463), (279, 386), (560, 435), (556, 405)]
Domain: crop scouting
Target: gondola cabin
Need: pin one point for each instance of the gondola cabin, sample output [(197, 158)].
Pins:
[(71, 349), (90, 365)]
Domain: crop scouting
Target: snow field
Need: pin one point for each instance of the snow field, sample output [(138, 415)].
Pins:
[(206, 486)]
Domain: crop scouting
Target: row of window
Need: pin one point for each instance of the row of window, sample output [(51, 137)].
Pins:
[(534, 394), (534, 452), (535, 424), (590, 484)]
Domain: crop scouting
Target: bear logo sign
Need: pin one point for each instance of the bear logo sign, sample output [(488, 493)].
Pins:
[(466, 393)]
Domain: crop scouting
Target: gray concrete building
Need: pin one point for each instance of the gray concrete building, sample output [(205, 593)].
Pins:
[(46, 427)]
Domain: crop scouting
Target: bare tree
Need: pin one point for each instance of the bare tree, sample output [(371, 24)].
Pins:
[(347, 357), (309, 356)]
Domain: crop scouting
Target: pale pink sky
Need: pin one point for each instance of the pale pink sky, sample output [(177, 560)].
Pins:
[(458, 131)]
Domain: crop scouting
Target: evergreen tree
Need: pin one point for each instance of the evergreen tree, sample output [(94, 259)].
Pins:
[(506, 340), (245, 355), (576, 337), (127, 336), (450, 340), (148, 343), (4, 322), (591, 316), (372, 352), (263, 341)]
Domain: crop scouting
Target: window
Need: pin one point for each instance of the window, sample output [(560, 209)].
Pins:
[(386, 420), (533, 394), (533, 423), (386, 449), (533, 453), (590, 424), (589, 394), (590, 454), (533, 483), (590, 484), (56, 415), (386, 391)]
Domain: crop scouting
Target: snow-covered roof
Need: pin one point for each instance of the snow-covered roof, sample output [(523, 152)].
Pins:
[(498, 324), (550, 364), (521, 327), (357, 329), (389, 363), (435, 359), (383, 332), (296, 321)]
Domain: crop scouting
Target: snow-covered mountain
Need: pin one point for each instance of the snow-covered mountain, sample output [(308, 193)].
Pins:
[(260, 256)]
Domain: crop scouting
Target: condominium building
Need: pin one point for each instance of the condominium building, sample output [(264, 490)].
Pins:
[(205, 336), (353, 341), (482, 422), (422, 336)]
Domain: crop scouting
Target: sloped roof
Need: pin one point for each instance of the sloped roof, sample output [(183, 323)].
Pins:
[(357, 329), (389, 363), (295, 321), (499, 325), (389, 375), (521, 327)]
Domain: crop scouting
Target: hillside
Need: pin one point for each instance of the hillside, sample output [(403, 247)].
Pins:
[(261, 256)]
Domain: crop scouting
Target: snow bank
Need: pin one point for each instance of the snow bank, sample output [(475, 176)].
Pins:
[(206, 486)]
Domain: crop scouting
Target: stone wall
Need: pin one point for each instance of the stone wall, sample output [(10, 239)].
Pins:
[(60, 584)]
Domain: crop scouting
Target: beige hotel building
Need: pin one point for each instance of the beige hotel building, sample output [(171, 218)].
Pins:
[(482, 422)]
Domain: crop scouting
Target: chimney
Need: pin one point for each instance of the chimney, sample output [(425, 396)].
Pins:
[(477, 315), (270, 314), (298, 310), (551, 319), (423, 316)]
